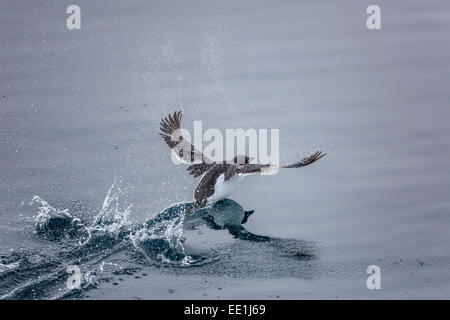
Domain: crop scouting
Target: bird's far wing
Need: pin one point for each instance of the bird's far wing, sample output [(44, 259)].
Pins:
[(306, 161), (184, 150), (250, 169)]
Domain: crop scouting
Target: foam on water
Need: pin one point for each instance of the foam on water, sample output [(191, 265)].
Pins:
[(8, 267)]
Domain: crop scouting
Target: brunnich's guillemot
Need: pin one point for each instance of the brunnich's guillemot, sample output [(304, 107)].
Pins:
[(219, 179)]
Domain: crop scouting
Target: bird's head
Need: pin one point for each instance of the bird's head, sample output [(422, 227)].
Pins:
[(242, 159)]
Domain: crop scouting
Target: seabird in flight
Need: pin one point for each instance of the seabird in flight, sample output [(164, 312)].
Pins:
[(219, 179)]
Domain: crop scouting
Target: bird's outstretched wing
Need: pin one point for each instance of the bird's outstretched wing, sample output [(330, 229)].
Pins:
[(306, 161), (250, 169), (184, 150)]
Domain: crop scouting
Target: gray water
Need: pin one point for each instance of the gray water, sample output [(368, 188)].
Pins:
[(81, 109)]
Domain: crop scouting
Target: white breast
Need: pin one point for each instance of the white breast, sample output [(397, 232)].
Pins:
[(223, 189)]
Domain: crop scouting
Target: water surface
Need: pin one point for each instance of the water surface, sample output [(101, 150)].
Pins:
[(80, 109)]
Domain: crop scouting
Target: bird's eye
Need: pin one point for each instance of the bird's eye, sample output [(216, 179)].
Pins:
[(180, 153)]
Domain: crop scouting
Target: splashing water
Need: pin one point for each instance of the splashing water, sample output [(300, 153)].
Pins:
[(53, 223), (29, 274), (111, 214), (159, 239), (46, 211), (112, 217), (162, 237)]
